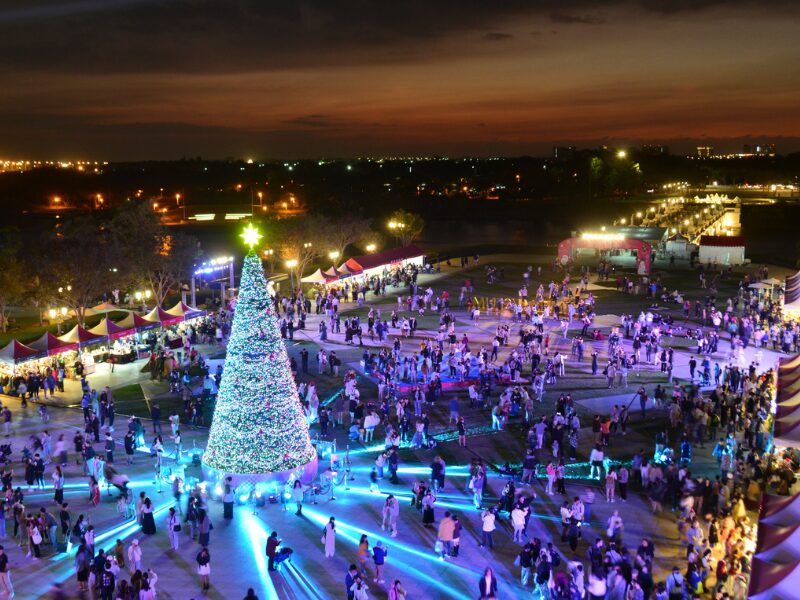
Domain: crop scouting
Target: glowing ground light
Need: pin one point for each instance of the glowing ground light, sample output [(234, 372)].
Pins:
[(256, 532), (352, 535)]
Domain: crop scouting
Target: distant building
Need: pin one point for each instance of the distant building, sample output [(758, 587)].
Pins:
[(563, 152), (764, 149), (721, 250), (655, 150), (705, 151)]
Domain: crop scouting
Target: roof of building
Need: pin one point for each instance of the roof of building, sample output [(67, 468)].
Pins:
[(724, 241), (387, 257)]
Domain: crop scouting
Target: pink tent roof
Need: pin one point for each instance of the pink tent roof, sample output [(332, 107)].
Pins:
[(134, 322), (332, 273), (779, 510), (79, 335), (158, 314), (16, 352), (773, 580), (52, 345), (778, 544), (182, 309), (109, 329), (345, 269)]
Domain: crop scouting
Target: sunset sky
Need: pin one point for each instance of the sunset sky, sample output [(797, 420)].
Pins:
[(139, 79)]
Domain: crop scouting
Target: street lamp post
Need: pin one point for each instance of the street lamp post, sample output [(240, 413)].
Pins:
[(58, 315), (291, 264)]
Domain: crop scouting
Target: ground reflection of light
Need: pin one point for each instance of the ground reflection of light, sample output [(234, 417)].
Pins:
[(257, 535), (364, 491), (352, 534)]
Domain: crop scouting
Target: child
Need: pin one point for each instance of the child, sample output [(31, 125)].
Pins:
[(122, 508), (373, 481)]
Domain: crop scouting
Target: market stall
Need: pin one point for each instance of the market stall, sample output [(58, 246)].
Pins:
[(139, 339), (84, 363), (173, 340), (112, 348), (181, 309), (15, 353)]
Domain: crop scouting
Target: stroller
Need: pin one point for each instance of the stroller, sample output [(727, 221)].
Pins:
[(282, 555)]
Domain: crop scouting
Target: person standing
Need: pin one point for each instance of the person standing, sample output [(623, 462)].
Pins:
[(5, 575), (50, 523), (130, 446), (58, 485), (329, 538), (173, 529), (487, 586), (148, 522), (204, 568), (488, 518), (297, 494), (391, 510), (134, 557), (227, 502), (349, 580), (379, 553), (204, 527)]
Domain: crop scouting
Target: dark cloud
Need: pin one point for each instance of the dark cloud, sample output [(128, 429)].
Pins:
[(570, 19), (496, 36), (319, 121), (244, 35)]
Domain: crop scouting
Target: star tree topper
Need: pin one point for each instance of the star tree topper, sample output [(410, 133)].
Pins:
[(251, 236)]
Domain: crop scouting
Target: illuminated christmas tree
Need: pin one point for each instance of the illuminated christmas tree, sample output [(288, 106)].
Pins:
[(258, 429)]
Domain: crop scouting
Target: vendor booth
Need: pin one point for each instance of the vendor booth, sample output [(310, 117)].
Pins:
[(15, 353), (84, 363), (317, 277), (375, 264), (181, 309)]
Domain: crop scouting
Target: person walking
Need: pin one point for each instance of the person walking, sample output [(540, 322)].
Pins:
[(173, 529), (329, 538), (204, 568), (445, 536)]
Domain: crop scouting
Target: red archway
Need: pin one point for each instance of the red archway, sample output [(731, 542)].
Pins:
[(643, 249)]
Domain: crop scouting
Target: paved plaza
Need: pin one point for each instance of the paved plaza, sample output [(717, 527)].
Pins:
[(237, 547)]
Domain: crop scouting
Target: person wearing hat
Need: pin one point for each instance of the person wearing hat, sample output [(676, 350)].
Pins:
[(379, 553)]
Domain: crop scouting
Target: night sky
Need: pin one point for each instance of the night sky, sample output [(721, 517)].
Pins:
[(139, 79)]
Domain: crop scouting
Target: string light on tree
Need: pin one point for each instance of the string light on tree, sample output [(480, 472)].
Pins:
[(258, 430)]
